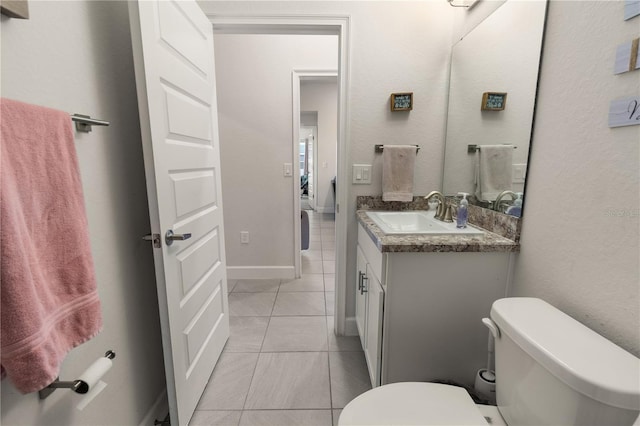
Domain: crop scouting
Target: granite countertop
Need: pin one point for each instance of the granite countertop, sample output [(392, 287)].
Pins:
[(416, 243)]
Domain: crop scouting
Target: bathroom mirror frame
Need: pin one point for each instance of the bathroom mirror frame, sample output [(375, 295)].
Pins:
[(516, 73)]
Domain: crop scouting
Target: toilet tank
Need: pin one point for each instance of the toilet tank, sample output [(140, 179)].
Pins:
[(552, 370)]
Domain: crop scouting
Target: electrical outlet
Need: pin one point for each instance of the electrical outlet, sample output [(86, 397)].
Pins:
[(244, 237)]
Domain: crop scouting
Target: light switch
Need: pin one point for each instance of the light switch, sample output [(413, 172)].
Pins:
[(519, 172), (288, 169), (244, 237), (362, 174)]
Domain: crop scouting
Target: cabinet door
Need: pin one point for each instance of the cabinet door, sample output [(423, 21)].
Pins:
[(361, 298), (375, 307)]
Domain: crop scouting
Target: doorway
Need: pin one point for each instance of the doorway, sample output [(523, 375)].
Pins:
[(307, 155), (319, 25)]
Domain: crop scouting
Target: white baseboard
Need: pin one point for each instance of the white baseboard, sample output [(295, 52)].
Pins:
[(325, 209), (258, 272), (158, 410), (350, 326)]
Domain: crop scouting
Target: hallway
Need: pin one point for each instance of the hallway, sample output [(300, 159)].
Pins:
[(283, 365)]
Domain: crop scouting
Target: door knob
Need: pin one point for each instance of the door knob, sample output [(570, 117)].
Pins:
[(170, 237)]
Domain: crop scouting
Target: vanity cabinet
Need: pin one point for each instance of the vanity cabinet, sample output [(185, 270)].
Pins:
[(369, 310), (419, 315)]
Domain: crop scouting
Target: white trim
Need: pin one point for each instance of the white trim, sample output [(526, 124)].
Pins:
[(325, 210), (158, 410), (297, 244), (319, 24), (258, 272), (350, 326)]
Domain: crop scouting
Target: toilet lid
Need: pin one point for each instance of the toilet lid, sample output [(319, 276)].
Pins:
[(412, 404)]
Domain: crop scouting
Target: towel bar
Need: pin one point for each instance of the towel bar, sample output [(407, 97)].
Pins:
[(84, 122), (471, 149), (380, 148)]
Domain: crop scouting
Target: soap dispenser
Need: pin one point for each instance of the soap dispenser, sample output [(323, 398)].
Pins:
[(463, 211), (516, 208)]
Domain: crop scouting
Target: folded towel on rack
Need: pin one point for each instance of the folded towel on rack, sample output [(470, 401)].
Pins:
[(398, 163), (494, 165), (49, 301)]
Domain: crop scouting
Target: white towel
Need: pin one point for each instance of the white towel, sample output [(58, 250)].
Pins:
[(494, 164), (398, 163)]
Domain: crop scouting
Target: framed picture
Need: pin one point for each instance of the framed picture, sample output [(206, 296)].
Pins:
[(493, 101), (402, 101)]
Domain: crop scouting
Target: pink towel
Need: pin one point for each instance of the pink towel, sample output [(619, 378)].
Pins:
[(49, 300)]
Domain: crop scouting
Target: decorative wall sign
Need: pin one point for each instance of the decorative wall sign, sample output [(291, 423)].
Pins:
[(493, 101), (627, 58), (402, 101), (625, 112), (631, 9)]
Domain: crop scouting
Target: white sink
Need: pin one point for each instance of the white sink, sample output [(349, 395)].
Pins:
[(417, 222)]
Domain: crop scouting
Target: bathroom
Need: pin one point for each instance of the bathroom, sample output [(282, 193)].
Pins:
[(579, 243)]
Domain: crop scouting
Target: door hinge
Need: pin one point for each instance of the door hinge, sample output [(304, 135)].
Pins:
[(155, 238)]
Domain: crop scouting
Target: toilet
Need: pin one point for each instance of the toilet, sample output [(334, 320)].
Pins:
[(550, 370)]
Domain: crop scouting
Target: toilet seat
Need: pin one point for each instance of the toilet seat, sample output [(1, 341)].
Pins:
[(412, 403)]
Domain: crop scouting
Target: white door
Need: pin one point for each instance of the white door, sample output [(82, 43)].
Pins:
[(174, 62)]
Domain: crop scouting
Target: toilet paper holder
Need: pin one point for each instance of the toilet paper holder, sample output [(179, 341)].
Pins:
[(78, 385)]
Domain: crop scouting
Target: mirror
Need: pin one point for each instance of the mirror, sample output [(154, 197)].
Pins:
[(494, 75)]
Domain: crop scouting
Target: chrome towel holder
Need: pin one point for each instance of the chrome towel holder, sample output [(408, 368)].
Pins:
[(84, 122), (380, 148)]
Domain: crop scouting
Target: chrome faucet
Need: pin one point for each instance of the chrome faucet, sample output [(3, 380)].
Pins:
[(496, 204), (443, 213)]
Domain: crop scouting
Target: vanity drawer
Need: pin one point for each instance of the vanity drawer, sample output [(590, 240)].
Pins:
[(374, 257)]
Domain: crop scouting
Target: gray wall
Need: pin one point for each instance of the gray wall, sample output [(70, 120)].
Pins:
[(75, 56), (580, 236)]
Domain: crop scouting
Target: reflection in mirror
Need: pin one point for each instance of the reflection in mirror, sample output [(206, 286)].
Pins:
[(494, 74)]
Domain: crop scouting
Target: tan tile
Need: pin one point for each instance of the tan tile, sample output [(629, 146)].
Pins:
[(308, 282), (286, 418), (330, 302), (349, 377), (302, 303), (256, 286), (329, 245), (329, 255), (246, 334), (329, 282), (289, 380), (296, 334), (251, 304), (215, 418), (311, 266), (229, 384), (335, 414), (328, 266)]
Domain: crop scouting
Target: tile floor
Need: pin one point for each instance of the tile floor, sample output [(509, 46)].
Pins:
[(283, 365)]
